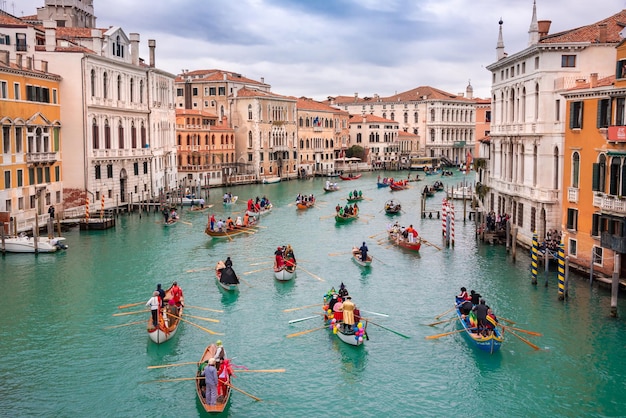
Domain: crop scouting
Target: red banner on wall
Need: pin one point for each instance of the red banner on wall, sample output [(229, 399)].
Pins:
[(617, 133)]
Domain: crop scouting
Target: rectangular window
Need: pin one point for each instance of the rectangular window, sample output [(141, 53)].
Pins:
[(20, 178), (6, 139), (57, 173), (110, 171), (20, 42), (31, 176), (620, 72), (145, 167), (568, 61), (620, 114), (98, 172), (572, 219), (20, 203), (222, 91), (572, 247), (46, 174), (54, 96), (604, 113), (7, 179), (136, 168), (597, 256), (595, 225), (16, 91), (4, 94), (520, 215), (39, 175), (195, 91), (536, 63), (18, 140), (179, 92), (576, 115), (212, 91), (557, 110)]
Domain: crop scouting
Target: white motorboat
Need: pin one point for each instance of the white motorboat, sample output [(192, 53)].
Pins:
[(461, 193), (26, 244)]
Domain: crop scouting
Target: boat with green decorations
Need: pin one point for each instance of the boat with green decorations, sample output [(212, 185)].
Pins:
[(345, 218)]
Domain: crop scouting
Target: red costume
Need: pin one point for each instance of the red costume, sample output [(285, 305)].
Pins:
[(224, 374)]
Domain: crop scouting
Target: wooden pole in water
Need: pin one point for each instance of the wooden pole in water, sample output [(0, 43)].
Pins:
[(615, 284), (534, 258), (2, 237), (514, 243), (561, 260), (566, 277), (546, 262)]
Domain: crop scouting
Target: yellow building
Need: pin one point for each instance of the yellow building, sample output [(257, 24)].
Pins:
[(594, 172), (30, 151)]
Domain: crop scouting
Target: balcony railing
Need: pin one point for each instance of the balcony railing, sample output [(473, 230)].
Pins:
[(121, 153), (41, 157), (610, 203), (572, 194)]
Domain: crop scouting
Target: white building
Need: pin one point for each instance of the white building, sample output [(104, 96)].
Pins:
[(527, 126)]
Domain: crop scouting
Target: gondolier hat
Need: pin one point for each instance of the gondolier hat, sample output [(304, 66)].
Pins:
[(279, 248)]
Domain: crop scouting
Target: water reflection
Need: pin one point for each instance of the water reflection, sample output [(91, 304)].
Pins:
[(353, 358)]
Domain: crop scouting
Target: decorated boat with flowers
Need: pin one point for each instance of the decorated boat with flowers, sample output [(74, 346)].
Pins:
[(490, 342), (343, 318)]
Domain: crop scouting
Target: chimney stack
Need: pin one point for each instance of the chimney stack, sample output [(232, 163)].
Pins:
[(134, 48), (5, 57), (50, 27), (29, 63), (44, 66), (544, 27), (151, 46), (18, 60), (593, 80), (602, 33)]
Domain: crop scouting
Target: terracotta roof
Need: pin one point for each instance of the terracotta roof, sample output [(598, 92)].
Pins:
[(591, 33), (194, 112), (602, 82), (71, 33), (407, 135), (7, 19), (305, 103), (71, 48), (416, 94), (216, 75), (369, 119), (247, 92)]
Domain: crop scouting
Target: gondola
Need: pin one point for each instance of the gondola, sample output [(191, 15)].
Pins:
[(226, 278), (349, 334), (350, 176), (490, 343), (356, 257), (222, 400), (392, 207)]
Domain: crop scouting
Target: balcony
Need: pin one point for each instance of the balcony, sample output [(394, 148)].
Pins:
[(41, 157), (572, 195), (121, 153), (610, 203), (613, 242)]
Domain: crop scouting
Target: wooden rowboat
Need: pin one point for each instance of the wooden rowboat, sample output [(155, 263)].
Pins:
[(231, 287), (350, 176), (490, 343), (285, 272), (346, 218), (264, 211), (355, 199), (222, 401), (397, 239), (397, 186), (168, 321), (347, 334), (237, 230), (356, 257), (392, 207), (303, 205)]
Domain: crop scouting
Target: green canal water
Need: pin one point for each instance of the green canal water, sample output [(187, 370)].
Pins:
[(58, 360)]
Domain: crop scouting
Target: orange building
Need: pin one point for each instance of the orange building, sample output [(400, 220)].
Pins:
[(30, 149), (594, 172), (205, 147)]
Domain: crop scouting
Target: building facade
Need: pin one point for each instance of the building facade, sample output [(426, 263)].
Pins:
[(379, 138), (528, 116)]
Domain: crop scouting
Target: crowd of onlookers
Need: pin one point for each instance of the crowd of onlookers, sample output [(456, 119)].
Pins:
[(496, 222)]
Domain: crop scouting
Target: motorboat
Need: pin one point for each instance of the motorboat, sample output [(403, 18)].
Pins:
[(26, 244)]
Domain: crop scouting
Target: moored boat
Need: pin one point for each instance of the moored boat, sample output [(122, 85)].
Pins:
[(356, 257), (270, 180), (26, 244), (224, 390), (491, 342), (460, 193)]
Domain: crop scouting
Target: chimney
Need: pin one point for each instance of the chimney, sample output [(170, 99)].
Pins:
[(96, 36), (29, 63), (5, 57), (544, 27), (602, 33), (151, 46), (44, 66), (593, 80), (356, 97), (50, 27), (263, 80), (134, 48), (18, 60)]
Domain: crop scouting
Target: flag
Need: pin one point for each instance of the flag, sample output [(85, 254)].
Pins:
[(316, 121)]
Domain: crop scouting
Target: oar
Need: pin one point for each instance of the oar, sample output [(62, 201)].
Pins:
[(203, 318), (449, 310), (259, 263), (305, 332), (130, 305), (388, 329), (327, 216), (536, 347), (536, 334), (312, 275), (379, 260), (339, 253), (172, 365), (432, 337), (372, 236), (375, 313), (301, 307), (124, 325), (187, 223), (261, 371), (256, 271), (441, 322), (244, 282), (293, 321), (431, 244), (241, 391), (507, 320), (131, 313), (200, 269), (196, 325), (203, 309)]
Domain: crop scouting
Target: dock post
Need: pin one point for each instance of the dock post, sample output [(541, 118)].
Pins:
[(615, 284), (534, 259), (593, 259), (2, 237), (546, 263), (561, 272), (514, 243)]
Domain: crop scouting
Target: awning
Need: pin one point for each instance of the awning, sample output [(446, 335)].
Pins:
[(616, 153)]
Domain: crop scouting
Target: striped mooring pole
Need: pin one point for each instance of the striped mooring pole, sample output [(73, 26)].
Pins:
[(444, 216), (534, 258), (102, 206), (452, 224), (561, 259), (87, 209)]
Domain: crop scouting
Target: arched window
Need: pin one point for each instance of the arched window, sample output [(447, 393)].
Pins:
[(93, 83), (140, 91), (250, 112), (179, 140), (132, 88), (105, 85), (536, 102), (107, 134), (250, 139), (144, 141), (119, 87), (406, 117), (432, 135), (415, 117), (432, 116), (95, 134), (615, 175), (120, 135), (575, 169), (133, 134)]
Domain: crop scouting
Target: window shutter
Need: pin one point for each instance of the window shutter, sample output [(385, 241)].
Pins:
[(595, 177), (582, 113), (571, 115), (599, 114)]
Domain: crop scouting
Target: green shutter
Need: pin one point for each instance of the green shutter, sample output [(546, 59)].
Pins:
[(595, 177), (571, 115), (599, 114)]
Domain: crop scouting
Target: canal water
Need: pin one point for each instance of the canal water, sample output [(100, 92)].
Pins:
[(59, 359)]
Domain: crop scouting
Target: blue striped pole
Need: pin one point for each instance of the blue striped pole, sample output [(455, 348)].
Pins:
[(561, 259), (534, 263)]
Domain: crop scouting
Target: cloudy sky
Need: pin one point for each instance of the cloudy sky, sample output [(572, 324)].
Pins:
[(321, 48)]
